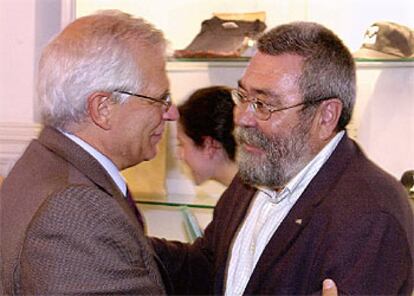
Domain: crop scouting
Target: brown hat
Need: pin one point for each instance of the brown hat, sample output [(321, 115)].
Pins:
[(387, 40)]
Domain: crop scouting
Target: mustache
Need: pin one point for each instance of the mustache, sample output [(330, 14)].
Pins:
[(251, 136)]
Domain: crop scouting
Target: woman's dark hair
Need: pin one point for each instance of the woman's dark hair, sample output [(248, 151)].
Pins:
[(209, 112)]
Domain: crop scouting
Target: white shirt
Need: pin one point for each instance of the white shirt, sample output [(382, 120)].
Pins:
[(107, 164), (263, 218)]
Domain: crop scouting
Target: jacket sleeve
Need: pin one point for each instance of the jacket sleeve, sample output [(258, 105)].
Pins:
[(192, 267), (189, 266), (199, 268), (81, 241)]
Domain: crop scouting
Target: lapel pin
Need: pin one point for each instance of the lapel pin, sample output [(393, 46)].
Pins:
[(298, 221)]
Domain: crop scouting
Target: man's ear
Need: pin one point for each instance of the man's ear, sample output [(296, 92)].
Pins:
[(99, 109), (329, 113)]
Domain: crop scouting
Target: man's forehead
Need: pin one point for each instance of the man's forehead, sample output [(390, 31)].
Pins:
[(275, 64), (267, 72)]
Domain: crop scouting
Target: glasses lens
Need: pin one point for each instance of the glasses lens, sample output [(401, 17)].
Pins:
[(236, 96), (167, 102), (261, 110)]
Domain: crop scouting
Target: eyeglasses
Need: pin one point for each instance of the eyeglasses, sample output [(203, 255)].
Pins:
[(165, 100), (263, 111)]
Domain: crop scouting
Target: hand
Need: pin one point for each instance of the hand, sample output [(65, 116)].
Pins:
[(329, 288)]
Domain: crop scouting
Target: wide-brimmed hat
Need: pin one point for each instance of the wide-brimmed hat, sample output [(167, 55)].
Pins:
[(387, 40)]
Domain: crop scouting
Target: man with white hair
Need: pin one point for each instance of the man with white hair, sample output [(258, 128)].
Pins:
[(68, 222)]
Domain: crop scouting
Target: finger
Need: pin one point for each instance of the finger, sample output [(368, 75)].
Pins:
[(329, 288)]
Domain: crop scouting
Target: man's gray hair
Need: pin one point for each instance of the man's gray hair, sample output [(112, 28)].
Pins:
[(94, 53), (328, 69)]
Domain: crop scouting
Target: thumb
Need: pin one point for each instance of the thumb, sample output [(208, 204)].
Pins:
[(329, 288)]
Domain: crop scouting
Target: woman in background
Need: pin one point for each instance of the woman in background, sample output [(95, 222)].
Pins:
[(205, 135)]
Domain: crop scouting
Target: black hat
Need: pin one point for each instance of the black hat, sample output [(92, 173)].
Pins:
[(387, 40)]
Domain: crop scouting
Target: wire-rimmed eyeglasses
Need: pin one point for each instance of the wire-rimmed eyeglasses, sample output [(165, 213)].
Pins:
[(263, 111), (164, 100)]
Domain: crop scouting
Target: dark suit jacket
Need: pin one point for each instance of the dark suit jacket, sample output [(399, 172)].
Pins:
[(67, 229), (353, 224)]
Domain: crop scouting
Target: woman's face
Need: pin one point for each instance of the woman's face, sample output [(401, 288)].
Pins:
[(194, 156)]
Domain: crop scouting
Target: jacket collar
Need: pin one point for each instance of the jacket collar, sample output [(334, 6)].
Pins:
[(79, 158)]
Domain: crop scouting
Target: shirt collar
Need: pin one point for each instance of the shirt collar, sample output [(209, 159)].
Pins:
[(107, 164)]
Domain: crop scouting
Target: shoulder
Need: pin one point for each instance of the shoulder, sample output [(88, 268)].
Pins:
[(359, 180), (366, 199), (370, 187), (79, 207), (84, 215), (361, 193)]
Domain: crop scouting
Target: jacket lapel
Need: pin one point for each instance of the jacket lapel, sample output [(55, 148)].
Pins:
[(79, 158), (241, 196), (236, 200), (86, 164)]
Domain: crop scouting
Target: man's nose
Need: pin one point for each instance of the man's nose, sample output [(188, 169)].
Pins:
[(172, 114), (244, 116)]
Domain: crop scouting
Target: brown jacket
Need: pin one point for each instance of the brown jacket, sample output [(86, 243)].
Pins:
[(67, 229), (352, 223)]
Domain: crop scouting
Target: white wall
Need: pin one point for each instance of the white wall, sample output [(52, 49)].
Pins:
[(385, 114), (17, 60), (25, 27)]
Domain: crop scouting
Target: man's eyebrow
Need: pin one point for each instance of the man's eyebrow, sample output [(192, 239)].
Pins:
[(265, 92)]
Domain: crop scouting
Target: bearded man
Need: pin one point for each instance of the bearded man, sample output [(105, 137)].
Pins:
[(306, 204)]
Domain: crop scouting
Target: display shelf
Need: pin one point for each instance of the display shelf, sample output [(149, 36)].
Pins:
[(371, 60), (217, 59), (382, 63), (245, 60), (204, 64), (191, 224), (201, 202)]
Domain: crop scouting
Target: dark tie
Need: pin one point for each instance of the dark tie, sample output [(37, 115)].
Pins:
[(135, 209)]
